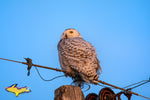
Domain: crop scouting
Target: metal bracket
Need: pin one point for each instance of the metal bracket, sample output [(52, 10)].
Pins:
[(29, 61)]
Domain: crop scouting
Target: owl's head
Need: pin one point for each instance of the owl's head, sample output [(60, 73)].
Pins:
[(70, 33)]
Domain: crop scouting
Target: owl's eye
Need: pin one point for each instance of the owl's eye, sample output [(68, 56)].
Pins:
[(71, 32)]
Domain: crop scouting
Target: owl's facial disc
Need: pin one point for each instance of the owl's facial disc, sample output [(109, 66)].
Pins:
[(70, 33)]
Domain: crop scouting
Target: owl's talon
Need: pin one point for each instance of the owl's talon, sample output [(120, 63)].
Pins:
[(96, 77)]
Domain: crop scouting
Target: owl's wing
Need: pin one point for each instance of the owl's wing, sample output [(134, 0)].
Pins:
[(79, 55)]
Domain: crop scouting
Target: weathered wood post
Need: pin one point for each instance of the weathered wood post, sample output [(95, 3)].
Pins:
[(69, 92)]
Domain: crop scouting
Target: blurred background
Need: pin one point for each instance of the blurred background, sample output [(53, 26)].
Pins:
[(118, 29)]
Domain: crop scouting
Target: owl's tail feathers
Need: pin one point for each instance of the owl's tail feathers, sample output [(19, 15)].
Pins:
[(91, 79)]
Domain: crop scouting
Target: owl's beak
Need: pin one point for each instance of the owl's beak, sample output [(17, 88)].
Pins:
[(66, 36)]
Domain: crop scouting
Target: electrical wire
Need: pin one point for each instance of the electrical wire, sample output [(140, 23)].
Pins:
[(48, 79), (134, 84), (138, 85), (67, 72)]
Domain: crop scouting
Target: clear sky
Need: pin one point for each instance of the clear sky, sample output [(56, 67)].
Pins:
[(118, 29)]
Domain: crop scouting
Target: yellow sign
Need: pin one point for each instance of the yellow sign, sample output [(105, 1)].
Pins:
[(17, 90)]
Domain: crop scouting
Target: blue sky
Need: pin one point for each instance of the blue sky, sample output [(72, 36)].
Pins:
[(118, 29)]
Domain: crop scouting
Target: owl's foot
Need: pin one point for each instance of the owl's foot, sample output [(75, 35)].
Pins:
[(94, 79)]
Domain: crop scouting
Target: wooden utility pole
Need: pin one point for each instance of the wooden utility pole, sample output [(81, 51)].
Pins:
[(69, 92)]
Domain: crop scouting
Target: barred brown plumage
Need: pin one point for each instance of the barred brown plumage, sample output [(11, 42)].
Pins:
[(78, 57)]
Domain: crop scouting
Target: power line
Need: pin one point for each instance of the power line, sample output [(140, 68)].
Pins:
[(142, 82), (59, 70), (134, 84), (48, 79), (128, 91)]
